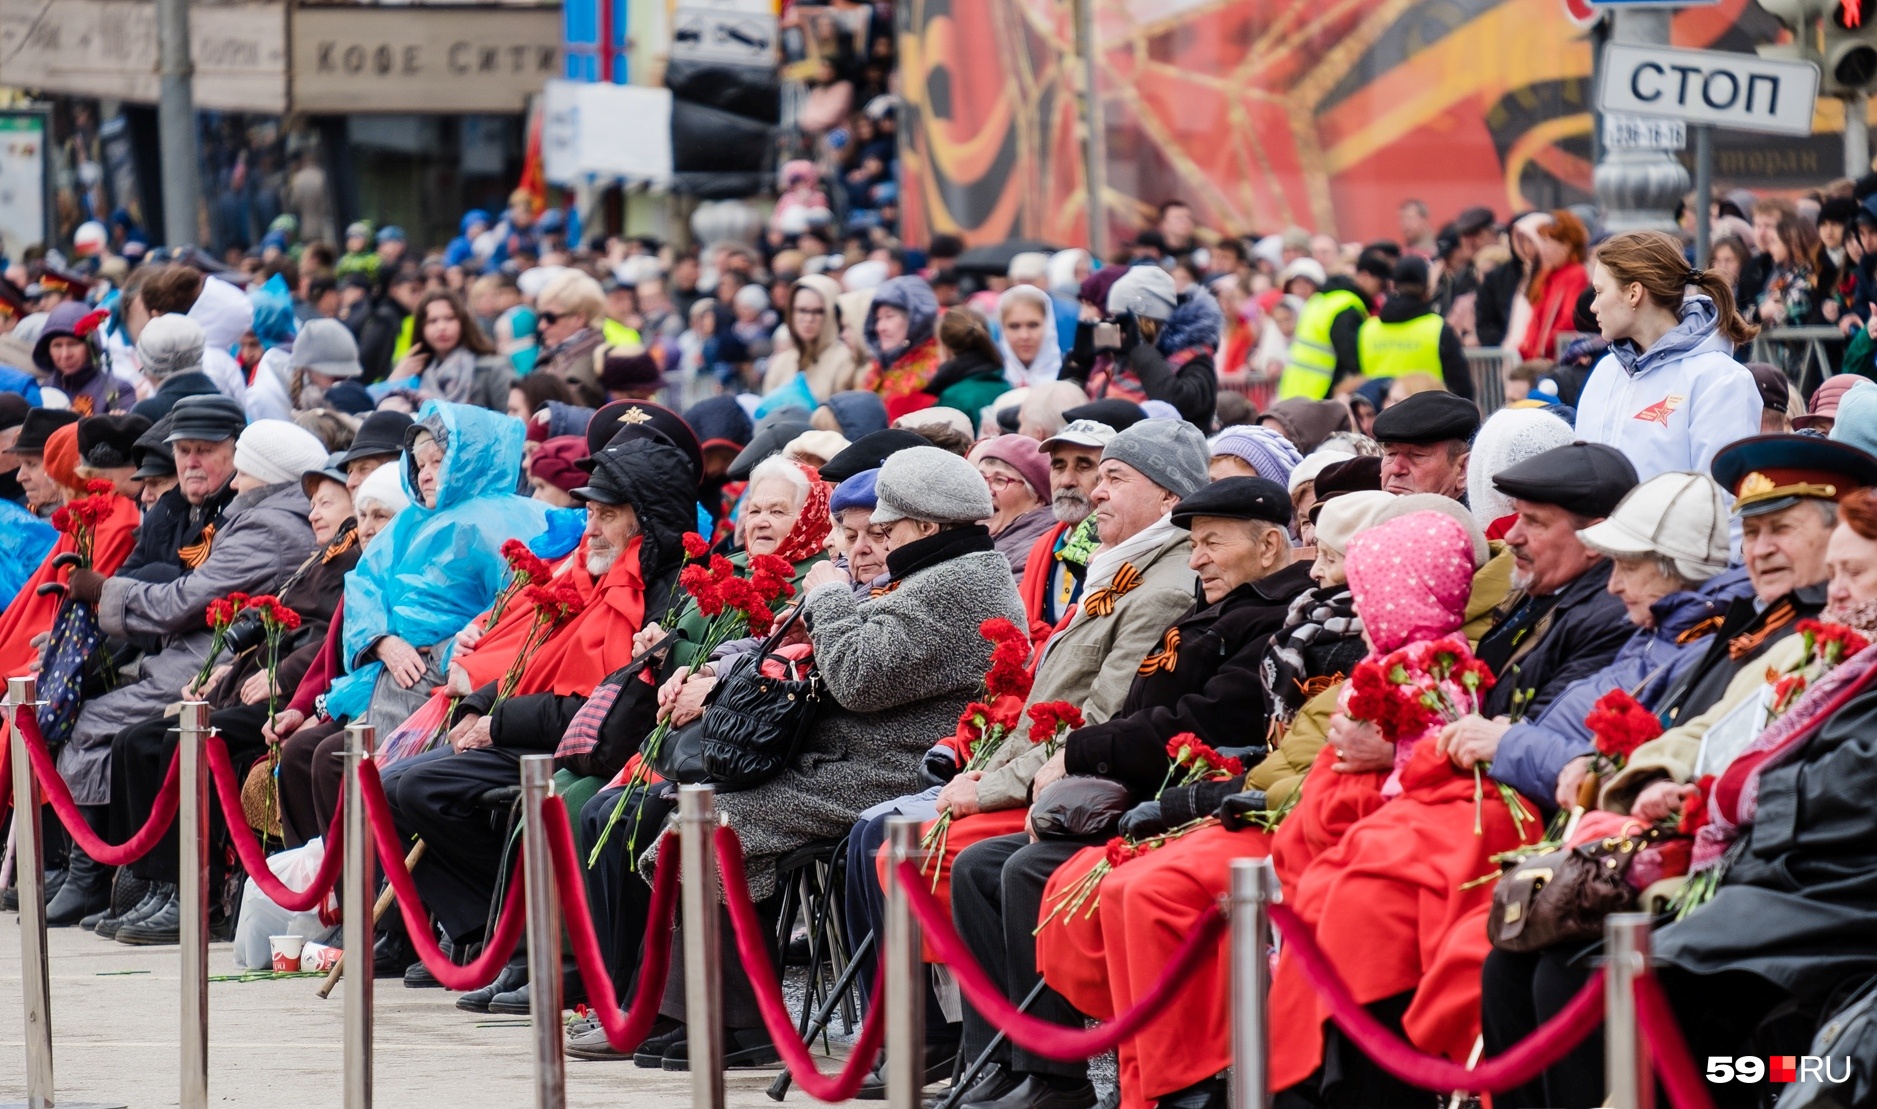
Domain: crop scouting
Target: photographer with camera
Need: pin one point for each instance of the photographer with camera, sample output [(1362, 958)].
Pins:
[(1152, 344)]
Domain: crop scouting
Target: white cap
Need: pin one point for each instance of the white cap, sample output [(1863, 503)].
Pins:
[(1343, 516), (1082, 433), (938, 416), (1303, 267), (1314, 464), (1030, 265), (1682, 517)]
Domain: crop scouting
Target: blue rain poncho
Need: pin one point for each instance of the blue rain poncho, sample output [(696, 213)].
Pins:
[(434, 569)]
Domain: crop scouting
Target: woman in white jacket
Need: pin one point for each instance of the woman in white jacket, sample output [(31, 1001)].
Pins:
[(1669, 393)]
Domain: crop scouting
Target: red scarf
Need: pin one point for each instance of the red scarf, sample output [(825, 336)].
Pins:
[(599, 640), (805, 540)]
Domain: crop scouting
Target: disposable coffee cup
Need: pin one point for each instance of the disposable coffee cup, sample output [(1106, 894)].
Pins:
[(286, 951)]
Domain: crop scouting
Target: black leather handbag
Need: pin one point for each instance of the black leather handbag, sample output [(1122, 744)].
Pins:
[(752, 724)]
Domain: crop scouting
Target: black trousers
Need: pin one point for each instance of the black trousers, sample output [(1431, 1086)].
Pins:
[(1349, 1080), (865, 903), (437, 796), (1519, 992), (619, 897), (997, 896), (312, 774), (140, 757)]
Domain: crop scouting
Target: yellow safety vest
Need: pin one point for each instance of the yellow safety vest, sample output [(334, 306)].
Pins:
[(1393, 349), (1312, 362)]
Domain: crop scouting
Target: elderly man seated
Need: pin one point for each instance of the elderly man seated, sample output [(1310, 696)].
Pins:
[(1425, 441), (263, 535)]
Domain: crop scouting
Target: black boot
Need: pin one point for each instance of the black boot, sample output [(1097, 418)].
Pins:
[(156, 894), (161, 926), (512, 977), (87, 889)]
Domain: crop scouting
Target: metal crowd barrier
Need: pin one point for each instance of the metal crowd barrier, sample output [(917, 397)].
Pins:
[(1803, 352)]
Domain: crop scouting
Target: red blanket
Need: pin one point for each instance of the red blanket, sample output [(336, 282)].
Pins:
[(30, 614)]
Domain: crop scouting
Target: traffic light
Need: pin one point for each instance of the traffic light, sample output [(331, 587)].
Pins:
[(1848, 47)]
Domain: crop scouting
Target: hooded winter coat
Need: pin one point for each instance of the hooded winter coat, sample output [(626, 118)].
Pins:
[(827, 365), (906, 369), (93, 390), (262, 538), (435, 567), (225, 314), (1675, 405)]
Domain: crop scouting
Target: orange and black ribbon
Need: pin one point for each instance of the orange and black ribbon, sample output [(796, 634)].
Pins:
[(1101, 602), (1773, 619), (195, 554), (1167, 657)]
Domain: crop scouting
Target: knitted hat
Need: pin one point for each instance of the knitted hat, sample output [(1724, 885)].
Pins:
[(1146, 291), (384, 485), (1678, 516), (1348, 514), (554, 462), (327, 347), (855, 492), (108, 441), (1172, 454), (1269, 454), (1022, 454), (1508, 438), (937, 486), (170, 344), (276, 451)]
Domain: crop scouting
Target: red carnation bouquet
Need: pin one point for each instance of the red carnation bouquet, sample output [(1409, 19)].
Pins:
[(525, 569), (1190, 760), (732, 607), (554, 605), (220, 615), (985, 725), (79, 518), (1618, 725), (1826, 645)]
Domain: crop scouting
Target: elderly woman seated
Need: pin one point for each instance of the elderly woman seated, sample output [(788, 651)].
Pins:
[(899, 665)]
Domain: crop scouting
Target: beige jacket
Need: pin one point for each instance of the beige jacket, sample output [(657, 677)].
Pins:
[(1092, 662), (1672, 754), (834, 372)]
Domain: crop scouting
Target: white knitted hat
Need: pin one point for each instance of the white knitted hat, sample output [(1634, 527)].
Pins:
[(276, 451)]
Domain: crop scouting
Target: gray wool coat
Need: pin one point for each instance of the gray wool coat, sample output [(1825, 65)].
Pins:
[(263, 537), (900, 668)]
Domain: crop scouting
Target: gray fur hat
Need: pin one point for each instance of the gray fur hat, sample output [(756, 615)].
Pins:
[(926, 483)]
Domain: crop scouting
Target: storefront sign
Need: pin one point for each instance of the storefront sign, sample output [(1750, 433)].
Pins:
[(422, 59), (107, 49), (25, 181)]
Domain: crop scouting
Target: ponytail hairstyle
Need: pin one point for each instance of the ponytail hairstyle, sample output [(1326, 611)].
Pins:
[(1653, 259)]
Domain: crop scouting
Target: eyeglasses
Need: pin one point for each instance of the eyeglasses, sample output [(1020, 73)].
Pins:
[(1001, 482), (811, 311)]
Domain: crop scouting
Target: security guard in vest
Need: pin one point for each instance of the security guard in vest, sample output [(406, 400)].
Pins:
[(1408, 337), (1323, 350)]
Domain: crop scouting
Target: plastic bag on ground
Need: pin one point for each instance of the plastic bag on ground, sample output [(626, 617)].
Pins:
[(261, 918)]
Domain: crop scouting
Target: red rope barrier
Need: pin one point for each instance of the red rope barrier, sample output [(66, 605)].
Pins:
[(1530, 1057), (762, 975), (496, 948), (624, 1031), (1673, 1064), (59, 796), (1045, 1038), (254, 856)]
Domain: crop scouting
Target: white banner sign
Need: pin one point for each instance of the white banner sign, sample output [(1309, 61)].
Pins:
[(606, 131), (107, 49), (23, 179), (1739, 91), (735, 32)]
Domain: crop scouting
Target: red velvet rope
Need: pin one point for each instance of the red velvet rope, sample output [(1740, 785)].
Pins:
[(496, 949), (624, 1031), (254, 856), (6, 775), (1673, 1064), (59, 796), (1045, 1038), (751, 945), (1530, 1057)]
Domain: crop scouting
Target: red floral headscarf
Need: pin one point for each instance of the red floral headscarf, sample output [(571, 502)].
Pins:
[(804, 541)]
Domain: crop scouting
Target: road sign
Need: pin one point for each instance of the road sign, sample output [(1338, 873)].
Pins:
[(1738, 91), (1627, 132)]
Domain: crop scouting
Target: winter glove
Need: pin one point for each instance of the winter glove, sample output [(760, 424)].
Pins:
[(1238, 811), (941, 765), (1130, 333), (1185, 804), (1142, 821), (85, 585)]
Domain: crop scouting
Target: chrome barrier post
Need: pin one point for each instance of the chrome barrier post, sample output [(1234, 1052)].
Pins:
[(1627, 1073), (1254, 887), (904, 966), (356, 898), (703, 975), (544, 981), (29, 855), (192, 829)]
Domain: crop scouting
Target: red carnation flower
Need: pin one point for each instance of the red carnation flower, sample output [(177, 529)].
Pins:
[(1619, 724), (695, 545)]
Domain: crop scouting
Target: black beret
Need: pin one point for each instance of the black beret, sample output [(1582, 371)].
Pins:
[(1766, 473), (1585, 478), (154, 458), (211, 418), (108, 441), (1351, 475), (38, 426), (1113, 411), (1435, 416), (869, 451), (1236, 498)]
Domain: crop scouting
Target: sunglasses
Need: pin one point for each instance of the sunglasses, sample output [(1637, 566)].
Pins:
[(550, 318)]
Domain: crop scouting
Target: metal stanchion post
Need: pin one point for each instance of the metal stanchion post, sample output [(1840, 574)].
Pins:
[(904, 967), (1626, 1069), (356, 898), (192, 829), (29, 858), (703, 975), (1254, 886), (544, 982)]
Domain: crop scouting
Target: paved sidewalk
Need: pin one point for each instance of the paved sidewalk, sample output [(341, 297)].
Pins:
[(274, 1045)]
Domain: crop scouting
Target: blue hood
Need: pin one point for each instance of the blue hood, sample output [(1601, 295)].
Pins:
[(1677, 612), (1698, 330), (274, 324), (1196, 322), (482, 453)]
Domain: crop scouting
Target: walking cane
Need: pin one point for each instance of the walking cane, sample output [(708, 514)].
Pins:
[(377, 914)]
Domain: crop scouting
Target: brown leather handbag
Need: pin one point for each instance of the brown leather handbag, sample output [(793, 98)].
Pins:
[(1562, 896)]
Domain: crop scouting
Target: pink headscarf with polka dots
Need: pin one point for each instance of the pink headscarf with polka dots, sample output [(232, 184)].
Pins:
[(1410, 578)]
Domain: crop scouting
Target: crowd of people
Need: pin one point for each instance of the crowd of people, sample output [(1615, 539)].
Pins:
[(1062, 592)]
